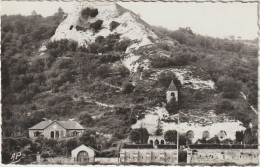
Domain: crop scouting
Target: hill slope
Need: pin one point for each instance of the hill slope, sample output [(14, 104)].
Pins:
[(112, 92)]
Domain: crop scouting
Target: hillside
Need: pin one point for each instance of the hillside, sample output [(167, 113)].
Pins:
[(106, 68)]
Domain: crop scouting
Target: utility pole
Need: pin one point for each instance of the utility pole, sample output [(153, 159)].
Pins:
[(178, 139)]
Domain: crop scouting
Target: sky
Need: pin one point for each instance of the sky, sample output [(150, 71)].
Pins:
[(218, 19)]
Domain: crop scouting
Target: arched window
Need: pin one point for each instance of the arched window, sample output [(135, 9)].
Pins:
[(190, 135), (52, 134), (205, 134), (71, 27), (222, 134), (162, 141), (173, 94), (151, 142), (156, 142)]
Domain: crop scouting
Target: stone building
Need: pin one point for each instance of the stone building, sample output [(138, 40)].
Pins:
[(172, 92), (56, 129), (155, 140), (163, 154), (83, 154)]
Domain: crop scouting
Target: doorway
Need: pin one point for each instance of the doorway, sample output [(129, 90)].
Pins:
[(82, 157)]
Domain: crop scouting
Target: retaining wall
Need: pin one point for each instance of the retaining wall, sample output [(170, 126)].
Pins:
[(211, 156)]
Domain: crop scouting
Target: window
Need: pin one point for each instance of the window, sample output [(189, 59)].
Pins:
[(173, 94), (205, 134), (162, 141), (57, 134), (156, 142), (151, 141), (75, 133), (52, 134), (36, 134)]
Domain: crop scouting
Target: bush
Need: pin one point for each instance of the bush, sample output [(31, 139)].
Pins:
[(128, 88), (224, 106), (113, 25), (171, 136), (122, 45), (96, 25), (140, 135), (165, 78)]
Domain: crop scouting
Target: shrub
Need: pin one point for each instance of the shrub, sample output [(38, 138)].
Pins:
[(139, 135), (172, 106), (170, 136), (96, 25), (128, 88), (165, 78), (113, 25), (122, 45), (224, 106)]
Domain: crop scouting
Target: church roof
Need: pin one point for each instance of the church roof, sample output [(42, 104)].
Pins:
[(65, 124), (172, 87)]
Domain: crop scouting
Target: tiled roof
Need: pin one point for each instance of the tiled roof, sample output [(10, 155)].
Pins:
[(65, 124), (42, 125), (70, 124), (172, 87)]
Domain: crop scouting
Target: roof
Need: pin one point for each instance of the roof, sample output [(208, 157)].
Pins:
[(172, 87), (65, 124)]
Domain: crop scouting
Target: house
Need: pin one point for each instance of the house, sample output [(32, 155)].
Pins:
[(56, 129), (172, 92)]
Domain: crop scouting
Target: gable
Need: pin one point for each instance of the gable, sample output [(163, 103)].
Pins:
[(54, 126), (89, 150)]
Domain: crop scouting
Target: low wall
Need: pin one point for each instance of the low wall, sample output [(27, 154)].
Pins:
[(212, 156), (55, 160), (162, 156), (107, 160)]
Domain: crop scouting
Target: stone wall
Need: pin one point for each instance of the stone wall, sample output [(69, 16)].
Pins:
[(107, 160), (55, 160), (211, 156), (163, 156)]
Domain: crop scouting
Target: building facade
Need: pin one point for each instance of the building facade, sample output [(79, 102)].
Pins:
[(56, 130), (83, 155)]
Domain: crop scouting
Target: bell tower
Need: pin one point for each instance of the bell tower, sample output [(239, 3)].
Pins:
[(172, 92)]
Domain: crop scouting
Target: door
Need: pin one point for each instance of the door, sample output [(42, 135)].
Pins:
[(82, 157)]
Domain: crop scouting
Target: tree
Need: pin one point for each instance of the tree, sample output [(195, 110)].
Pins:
[(165, 78), (239, 136), (139, 135), (159, 130), (170, 136), (172, 106), (71, 144)]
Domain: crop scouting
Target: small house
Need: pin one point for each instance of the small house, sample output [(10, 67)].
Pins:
[(56, 129)]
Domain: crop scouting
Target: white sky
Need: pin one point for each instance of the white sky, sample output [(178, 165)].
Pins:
[(212, 19)]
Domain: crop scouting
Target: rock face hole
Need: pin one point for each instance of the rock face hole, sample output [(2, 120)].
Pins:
[(89, 12)]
